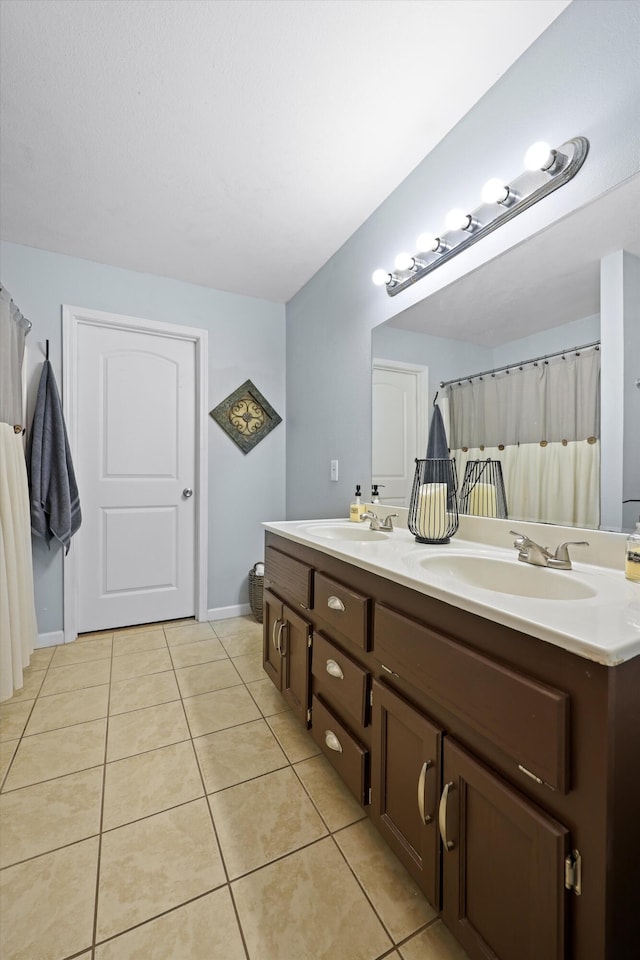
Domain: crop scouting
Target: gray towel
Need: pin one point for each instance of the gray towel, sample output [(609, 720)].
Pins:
[(55, 504), (437, 446)]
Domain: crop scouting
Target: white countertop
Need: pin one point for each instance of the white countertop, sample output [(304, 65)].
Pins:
[(604, 627)]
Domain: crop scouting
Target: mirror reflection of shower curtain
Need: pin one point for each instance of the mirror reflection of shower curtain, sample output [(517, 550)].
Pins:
[(18, 628), (543, 423)]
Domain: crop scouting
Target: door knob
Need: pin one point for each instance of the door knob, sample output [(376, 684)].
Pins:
[(187, 492)]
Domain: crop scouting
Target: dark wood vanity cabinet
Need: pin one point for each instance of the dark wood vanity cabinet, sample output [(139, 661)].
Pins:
[(499, 768), (287, 653), (405, 785)]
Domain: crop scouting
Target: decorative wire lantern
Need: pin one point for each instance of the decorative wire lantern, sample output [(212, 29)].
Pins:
[(433, 509), (483, 493)]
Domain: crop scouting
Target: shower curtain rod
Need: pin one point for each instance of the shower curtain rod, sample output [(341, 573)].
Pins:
[(519, 364)]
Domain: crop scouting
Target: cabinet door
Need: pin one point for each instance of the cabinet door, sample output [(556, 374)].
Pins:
[(405, 780), (295, 647), (272, 637), (503, 866)]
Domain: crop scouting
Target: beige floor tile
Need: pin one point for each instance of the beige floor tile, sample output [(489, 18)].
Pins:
[(32, 683), (152, 865), (434, 943), (239, 753), (292, 737), (202, 651), (46, 756), (188, 633), (205, 677), (235, 625), (264, 819), (41, 658), (220, 709), (138, 642), (50, 901), (397, 900), (273, 906), (7, 751), (68, 653), (205, 929), (140, 786), (13, 718), (250, 666), (140, 664), (267, 697), (65, 709), (336, 803), (78, 675), (243, 644), (138, 692), (37, 819), (146, 729)]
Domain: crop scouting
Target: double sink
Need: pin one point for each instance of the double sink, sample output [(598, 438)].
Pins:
[(498, 574)]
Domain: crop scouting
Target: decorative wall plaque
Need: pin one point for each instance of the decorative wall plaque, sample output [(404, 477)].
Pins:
[(246, 416)]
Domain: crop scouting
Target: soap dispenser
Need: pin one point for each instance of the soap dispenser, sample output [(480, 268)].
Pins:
[(375, 496), (632, 556), (357, 507)]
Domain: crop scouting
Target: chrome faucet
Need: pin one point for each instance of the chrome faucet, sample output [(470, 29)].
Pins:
[(376, 522), (531, 552)]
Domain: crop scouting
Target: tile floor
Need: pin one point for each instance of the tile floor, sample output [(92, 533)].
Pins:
[(159, 802)]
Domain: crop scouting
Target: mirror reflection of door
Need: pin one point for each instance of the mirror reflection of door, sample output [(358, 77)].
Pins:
[(399, 427)]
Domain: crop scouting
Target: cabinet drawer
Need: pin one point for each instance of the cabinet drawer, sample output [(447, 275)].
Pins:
[(289, 578), (340, 748), (340, 681), (526, 719), (344, 611)]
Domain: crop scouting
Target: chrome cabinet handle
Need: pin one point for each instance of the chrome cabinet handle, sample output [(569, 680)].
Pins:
[(442, 816), (421, 785), (281, 632), (273, 635), (332, 741), (335, 603), (187, 492), (333, 669)]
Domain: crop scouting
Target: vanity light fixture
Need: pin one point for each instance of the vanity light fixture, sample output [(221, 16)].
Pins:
[(546, 169)]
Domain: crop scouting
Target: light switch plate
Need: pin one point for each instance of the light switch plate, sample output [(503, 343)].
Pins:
[(334, 469)]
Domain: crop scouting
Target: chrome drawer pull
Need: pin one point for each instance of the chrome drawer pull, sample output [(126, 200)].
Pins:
[(335, 603), (332, 741), (421, 785), (442, 816), (333, 669)]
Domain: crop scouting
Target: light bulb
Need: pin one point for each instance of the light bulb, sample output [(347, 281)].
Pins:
[(539, 156), (427, 243), (381, 277), (457, 219), (494, 191), (404, 261)]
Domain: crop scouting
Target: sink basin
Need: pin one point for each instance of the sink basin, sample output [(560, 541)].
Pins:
[(343, 531), (513, 577)]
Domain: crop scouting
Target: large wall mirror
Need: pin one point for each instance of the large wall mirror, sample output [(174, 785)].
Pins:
[(539, 299)]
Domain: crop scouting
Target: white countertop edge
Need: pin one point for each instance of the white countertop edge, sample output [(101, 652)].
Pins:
[(604, 629)]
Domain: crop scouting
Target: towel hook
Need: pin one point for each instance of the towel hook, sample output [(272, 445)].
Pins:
[(434, 401), (47, 349)]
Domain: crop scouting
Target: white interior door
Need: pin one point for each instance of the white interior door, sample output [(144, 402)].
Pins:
[(399, 394), (135, 458)]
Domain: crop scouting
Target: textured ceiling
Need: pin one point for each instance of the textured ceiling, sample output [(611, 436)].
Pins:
[(232, 144)]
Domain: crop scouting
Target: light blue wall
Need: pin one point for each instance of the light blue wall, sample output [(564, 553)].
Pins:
[(567, 335), (246, 341), (580, 77)]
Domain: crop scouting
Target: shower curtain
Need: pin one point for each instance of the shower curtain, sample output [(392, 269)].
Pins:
[(18, 627), (542, 421)]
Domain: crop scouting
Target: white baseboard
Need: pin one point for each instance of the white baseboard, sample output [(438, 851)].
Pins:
[(49, 639), (224, 613)]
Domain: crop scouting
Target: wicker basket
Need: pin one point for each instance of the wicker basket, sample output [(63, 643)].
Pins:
[(256, 591)]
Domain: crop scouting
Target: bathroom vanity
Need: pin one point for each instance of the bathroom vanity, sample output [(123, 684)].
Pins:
[(498, 760)]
